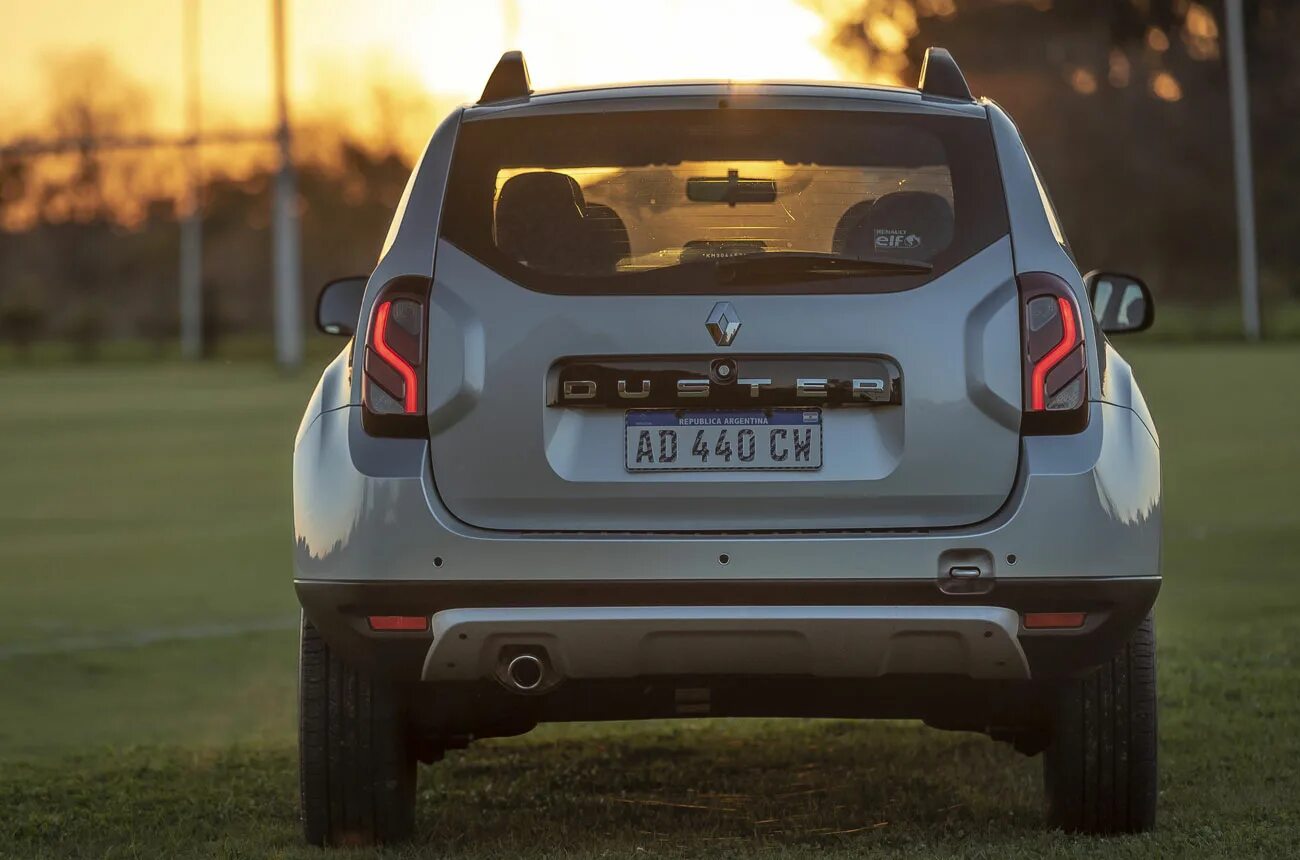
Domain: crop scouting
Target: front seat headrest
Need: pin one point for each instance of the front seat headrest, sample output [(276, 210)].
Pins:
[(850, 222), (608, 238), (907, 225)]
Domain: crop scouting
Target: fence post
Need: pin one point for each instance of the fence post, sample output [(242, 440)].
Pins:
[(1239, 96), (287, 245), (191, 214)]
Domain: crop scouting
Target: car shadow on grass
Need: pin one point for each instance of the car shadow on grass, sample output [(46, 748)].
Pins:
[(700, 787), (688, 789)]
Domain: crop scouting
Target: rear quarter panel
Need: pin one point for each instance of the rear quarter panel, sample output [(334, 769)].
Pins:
[(1033, 242), (411, 244)]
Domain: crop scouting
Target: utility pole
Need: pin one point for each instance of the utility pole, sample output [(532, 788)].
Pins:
[(191, 214), (287, 244), (1240, 105)]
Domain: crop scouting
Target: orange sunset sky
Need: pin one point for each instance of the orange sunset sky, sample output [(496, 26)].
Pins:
[(443, 48)]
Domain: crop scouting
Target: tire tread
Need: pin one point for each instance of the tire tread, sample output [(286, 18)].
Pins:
[(1101, 767), (356, 762)]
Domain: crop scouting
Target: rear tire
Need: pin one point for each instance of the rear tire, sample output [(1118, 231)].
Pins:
[(1100, 768), (356, 761)]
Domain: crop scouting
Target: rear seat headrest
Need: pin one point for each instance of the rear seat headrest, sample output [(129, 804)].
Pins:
[(539, 219), (910, 225)]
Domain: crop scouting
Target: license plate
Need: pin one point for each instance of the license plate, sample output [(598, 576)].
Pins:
[(661, 440)]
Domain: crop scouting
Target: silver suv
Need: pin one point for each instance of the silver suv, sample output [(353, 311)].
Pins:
[(722, 399)]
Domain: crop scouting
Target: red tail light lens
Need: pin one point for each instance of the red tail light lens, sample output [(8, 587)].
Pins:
[(394, 360), (392, 388), (1055, 364)]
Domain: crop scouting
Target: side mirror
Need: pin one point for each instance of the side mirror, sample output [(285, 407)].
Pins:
[(338, 307), (1120, 303)]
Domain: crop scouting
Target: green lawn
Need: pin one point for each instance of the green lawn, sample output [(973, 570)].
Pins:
[(147, 657)]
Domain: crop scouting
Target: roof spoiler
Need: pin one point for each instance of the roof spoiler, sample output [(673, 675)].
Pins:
[(940, 77), (509, 80)]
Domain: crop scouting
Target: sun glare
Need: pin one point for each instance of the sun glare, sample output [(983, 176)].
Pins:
[(594, 41), (389, 69)]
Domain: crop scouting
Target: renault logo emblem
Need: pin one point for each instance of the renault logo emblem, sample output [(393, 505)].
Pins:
[(723, 323)]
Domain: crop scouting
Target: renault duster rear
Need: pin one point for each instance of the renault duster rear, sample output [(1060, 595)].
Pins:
[(724, 400)]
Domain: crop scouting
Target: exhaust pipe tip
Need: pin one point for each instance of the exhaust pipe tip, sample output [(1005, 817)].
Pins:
[(525, 672)]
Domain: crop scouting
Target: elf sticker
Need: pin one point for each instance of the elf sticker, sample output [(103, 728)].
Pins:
[(894, 239)]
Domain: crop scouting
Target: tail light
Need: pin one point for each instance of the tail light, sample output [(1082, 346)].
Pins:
[(1055, 364), (392, 389)]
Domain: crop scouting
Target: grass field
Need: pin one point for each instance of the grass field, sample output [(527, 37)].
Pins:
[(147, 657)]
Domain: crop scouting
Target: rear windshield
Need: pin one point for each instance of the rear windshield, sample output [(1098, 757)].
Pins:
[(708, 201)]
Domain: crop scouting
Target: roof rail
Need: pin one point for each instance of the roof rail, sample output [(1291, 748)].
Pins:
[(941, 77), (509, 80)]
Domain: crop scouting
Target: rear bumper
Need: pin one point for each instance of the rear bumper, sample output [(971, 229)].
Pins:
[(590, 631), (588, 643)]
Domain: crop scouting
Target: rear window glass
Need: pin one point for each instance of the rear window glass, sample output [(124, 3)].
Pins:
[(654, 201)]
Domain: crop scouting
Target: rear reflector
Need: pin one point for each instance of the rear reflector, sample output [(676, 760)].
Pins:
[(399, 622), (1054, 620)]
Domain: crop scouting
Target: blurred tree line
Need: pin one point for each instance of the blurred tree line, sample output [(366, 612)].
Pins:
[(1123, 104), (90, 241)]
